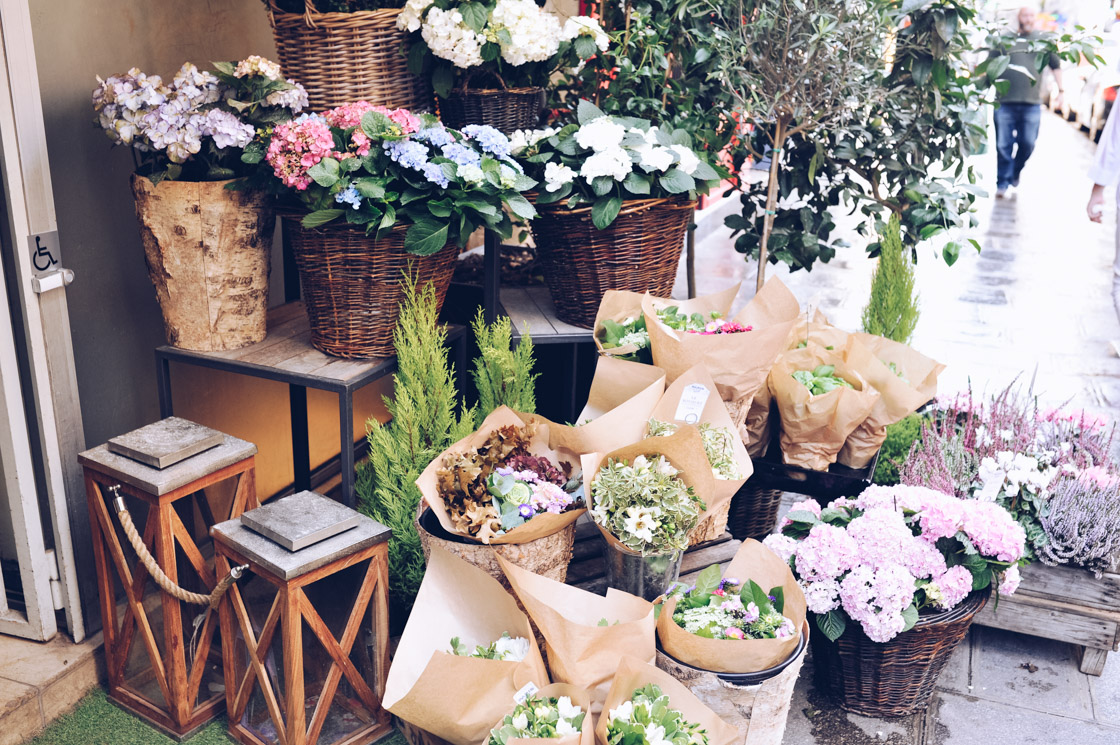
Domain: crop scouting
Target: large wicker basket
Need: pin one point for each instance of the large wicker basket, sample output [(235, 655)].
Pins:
[(352, 284), (897, 677), (639, 251), (754, 511), (504, 109), (344, 57)]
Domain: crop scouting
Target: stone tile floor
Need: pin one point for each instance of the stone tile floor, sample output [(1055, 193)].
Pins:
[(1035, 303)]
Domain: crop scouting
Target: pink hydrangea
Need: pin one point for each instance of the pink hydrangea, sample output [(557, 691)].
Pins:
[(951, 587), (782, 545), (876, 598), (883, 537), (350, 115), (940, 516), (298, 145), (807, 505), (993, 531), (821, 597), (899, 497), (826, 553), (1009, 581)]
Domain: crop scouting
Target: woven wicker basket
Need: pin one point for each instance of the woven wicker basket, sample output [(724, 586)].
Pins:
[(897, 677), (504, 109), (639, 251), (344, 57), (754, 511), (352, 284)]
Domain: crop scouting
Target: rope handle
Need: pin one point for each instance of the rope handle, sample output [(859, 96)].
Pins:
[(157, 573)]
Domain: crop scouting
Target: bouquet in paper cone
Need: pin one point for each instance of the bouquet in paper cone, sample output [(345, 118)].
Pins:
[(557, 712), (502, 484)]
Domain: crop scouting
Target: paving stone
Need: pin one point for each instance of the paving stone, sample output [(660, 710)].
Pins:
[(166, 442), (967, 720), (1105, 691), (956, 676)]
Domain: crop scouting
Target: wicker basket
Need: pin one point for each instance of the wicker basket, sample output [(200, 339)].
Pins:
[(895, 678), (754, 511), (504, 109), (639, 251), (344, 57), (352, 284)]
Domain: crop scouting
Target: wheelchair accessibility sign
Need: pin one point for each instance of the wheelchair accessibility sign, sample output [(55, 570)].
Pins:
[(44, 252)]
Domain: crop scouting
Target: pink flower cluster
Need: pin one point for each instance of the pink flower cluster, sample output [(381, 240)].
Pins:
[(350, 115), (720, 326), (298, 145)]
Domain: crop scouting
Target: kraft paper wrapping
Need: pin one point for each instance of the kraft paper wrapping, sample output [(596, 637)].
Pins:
[(898, 398), (752, 561), (757, 430), (579, 650), (634, 674), (814, 428), (539, 526), (459, 698), (738, 363), (618, 305), (692, 399), (578, 697), (816, 329), (622, 396), (683, 448)]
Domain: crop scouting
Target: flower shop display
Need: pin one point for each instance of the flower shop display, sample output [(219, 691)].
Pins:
[(558, 712), (585, 634), (646, 499), (694, 399), (814, 426), (457, 599), (347, 50), (617, 195), (186, 137), (370, 193), (620, 326), (737, 645), (647, 706), (897, 574), (489, 61), (503, 490)]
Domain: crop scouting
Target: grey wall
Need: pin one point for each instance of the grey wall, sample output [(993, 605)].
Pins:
[(113, 311)]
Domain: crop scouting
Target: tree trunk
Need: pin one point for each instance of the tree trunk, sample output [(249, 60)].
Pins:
[(771, 201)]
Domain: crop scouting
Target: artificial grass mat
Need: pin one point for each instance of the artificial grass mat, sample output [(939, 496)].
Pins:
[(96, 721)]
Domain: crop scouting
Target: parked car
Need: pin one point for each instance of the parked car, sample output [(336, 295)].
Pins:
[(1096, 99)]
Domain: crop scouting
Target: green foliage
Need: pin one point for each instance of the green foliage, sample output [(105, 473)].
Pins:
[(901, 436), (503, 375), (893, 309), (423, 425)]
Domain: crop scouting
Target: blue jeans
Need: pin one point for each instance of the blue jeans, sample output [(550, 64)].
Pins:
[(1016, 125)]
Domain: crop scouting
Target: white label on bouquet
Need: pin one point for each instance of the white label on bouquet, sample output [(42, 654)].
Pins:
[(691, 405), (526, 691)]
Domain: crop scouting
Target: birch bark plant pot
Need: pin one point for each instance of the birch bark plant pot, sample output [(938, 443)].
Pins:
[(208, 251)]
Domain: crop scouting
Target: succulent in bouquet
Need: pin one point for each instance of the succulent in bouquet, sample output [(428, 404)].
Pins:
[(195, 127), (605, 160), (371, 166), (649, 719), (538, 717), (719, 607), (883, 558), (516, 43)]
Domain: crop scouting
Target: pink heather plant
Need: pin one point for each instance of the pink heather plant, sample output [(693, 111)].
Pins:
[(884, 557)]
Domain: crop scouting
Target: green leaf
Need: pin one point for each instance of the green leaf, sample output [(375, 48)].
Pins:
[(605, 210), (832, 624), (417, 54), (779, 594), (828, 514), (586, 111), (707, 581), (325, 172), (320, 217), (491, 52), (602, 185), (373, 188), (929, 231), (443, 77), (440, 207), (997, 66), (636, 183), (426, 237), (475, 15), (920, 68), (910, 615), (389, 219), (704, 172), (951, 251), (225, 67), (945, 24), (585, 47), (676, 181), (521, 207), (803, 516)]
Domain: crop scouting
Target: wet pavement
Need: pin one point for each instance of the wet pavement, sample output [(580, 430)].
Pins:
[(1034, 304)]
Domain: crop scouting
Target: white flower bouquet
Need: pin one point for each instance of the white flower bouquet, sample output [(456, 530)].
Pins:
[(557, 712), (515, 42), (604, 160)]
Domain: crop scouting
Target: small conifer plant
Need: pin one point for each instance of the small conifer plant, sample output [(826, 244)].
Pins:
[(893, 309), (424, 423), (503, 374)]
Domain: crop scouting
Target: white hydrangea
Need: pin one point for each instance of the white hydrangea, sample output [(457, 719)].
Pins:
[(614, 162), (658, 158), (649, 135), (585, 26), (534, 34), (526, 138), (689, 161), (256, 65), (451, 39), (601, 134), (293, 99), (411, 16), (556, 175), (512, 649), (470, 173)]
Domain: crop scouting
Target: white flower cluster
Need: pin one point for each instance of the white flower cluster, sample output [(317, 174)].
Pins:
[(256, 65), (294, 98), (451, 39), (412, 15), (616, 148), (585, 26), (534, 34), (523, 139), (1011, 473)]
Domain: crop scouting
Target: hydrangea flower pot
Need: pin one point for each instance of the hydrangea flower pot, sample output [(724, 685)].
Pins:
[(208, 250)]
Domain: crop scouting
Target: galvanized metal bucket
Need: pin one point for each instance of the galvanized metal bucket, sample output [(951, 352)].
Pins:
[(645, 576)]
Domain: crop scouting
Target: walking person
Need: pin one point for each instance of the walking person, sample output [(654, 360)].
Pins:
[(1019, 112), (1105, 172)]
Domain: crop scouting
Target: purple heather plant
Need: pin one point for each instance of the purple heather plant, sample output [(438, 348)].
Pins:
[(1083, 524)]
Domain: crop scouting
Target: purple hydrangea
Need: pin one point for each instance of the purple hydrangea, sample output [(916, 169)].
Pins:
[(489, 139), (408, 153), (434, 173), (349, 196)]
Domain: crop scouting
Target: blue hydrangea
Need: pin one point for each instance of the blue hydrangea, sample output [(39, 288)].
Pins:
[(434, 173), (461, 155), (349, 196), (309, 117), (408, 153), (438, 136), (489, 139)]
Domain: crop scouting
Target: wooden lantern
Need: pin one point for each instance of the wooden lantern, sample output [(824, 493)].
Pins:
[(306, 632), (161, 665)]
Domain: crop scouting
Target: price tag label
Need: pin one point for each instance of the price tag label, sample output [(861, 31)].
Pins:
[(692, 402), (526, 691)]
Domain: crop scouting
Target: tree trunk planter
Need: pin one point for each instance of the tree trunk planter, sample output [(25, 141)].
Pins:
[(352, 284), (208, 250), (895, 678), (344, 57), (639, 251), (756, 703), (1066, 604), (504, 109)]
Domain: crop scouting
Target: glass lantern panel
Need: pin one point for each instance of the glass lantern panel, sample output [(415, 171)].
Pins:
[(258, 595)]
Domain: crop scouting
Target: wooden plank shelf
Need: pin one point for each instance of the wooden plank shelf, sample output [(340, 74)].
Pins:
[(531, 311)]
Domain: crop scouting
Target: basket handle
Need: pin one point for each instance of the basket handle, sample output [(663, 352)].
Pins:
[(308, 10)]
